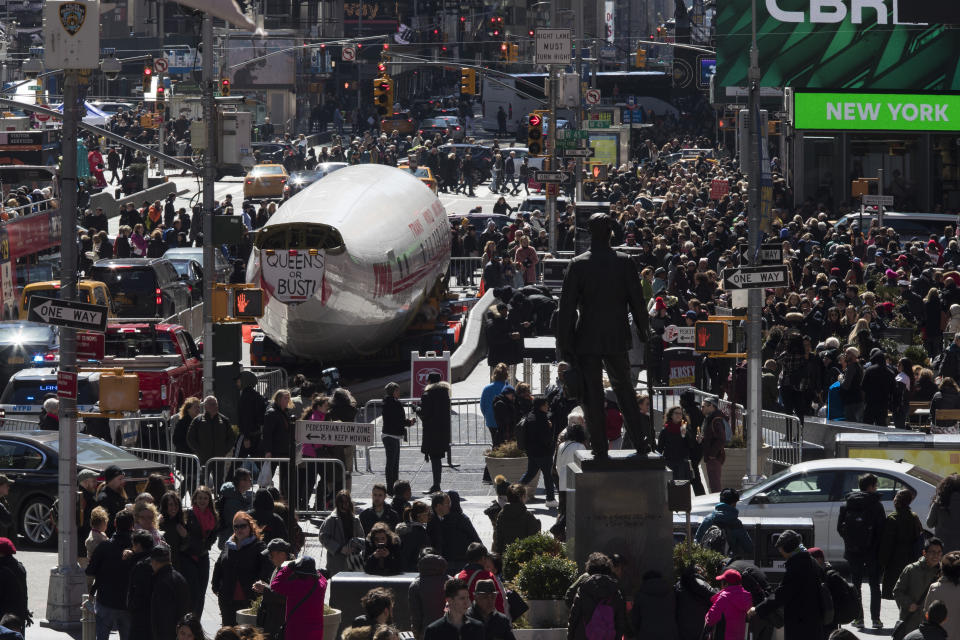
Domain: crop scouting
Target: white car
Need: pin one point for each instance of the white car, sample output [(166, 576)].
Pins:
[(817, 489)]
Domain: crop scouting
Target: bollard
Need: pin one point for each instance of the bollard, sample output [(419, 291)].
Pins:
[(88, 619), (544, 378)]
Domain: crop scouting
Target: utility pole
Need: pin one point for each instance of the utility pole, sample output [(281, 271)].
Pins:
[(579, 66), (67, 581), (754, 296), (209, 181), (551, 148)]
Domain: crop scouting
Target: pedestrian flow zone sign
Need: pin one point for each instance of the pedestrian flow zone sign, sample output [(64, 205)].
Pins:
[(358, 434), (68, 313), (756, 277)]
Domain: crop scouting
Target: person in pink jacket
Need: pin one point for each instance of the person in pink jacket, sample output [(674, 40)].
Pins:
[(731, 606), (305, 590)]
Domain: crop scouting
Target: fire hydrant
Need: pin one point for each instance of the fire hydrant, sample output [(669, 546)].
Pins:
[(88, 618)]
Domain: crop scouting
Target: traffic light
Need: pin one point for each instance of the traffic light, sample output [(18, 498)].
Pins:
[(161, 96), (383, 95), (505, 51), (641, 59), (468, 82), (147, 77), (535, 134), (514, 53), (224, 86), (710, 336)]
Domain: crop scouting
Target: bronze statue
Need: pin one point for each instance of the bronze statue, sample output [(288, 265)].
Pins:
[(593, 331)]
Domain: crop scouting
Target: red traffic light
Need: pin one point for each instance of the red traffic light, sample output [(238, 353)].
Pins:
[(530, 33), (463, 19), (147, 71), (381, 67), (386, 46), (160, 91), (225, 82), (535, 120)]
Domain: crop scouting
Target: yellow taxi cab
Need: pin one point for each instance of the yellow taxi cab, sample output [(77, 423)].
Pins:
[(89, 291), (265, 181), (424, 173), (402, 122)]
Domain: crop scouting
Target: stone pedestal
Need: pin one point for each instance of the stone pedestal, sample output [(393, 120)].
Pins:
[(620, 506)]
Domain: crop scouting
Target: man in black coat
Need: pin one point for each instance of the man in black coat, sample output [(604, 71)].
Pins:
[(496, 625), (455, 624), (505, 413), (379, 510), (251, 408), (798, 592), (111, 577), (450, 531), (112, 496), (434, 412), (861, 523), (599, 289), (140, 585), (13, 577), (878, 386), (170, 599)]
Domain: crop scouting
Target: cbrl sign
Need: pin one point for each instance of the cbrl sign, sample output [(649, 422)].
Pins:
[(422, 367)]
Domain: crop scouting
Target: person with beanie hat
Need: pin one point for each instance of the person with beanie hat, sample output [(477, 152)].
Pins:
[(798, 592), (112, 496), (730, 605)]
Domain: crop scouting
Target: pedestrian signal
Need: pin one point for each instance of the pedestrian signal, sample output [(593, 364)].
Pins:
[(710, 336)]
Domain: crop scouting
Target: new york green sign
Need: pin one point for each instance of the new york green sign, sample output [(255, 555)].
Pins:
[(876, 111), (836, 44)]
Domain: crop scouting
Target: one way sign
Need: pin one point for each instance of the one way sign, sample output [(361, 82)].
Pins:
[(756, 277), (67, 313)]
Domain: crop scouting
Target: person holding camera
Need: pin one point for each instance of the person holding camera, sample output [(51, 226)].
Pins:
[(382, 553), (272, 611), (341, 534)]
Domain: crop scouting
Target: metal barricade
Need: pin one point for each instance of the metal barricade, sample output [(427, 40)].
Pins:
[(17, 424), (319, 479), (465, 271), (190, 319), (467, 426), (269, 380), (148, 432), (782, 432), (186, 466)]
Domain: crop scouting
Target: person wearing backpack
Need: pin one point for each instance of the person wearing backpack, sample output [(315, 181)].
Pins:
[(730, 606), (900, 541), (860, 524), (754, 580), (798, 592), (694, 597), (726, 517), (598, 611), (713, 440), (846, 604), (911, 588)]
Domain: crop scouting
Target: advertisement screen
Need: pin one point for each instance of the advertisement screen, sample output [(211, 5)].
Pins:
[(876, 111), (262, 70), (943, 462), (814, 44)]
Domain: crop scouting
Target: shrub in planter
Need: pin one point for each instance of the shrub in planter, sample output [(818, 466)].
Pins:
[(916, 353), (508, 449), (521, 551), (546, 577), (687, 554)]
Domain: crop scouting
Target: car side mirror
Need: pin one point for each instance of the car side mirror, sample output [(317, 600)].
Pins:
[(760, 498)]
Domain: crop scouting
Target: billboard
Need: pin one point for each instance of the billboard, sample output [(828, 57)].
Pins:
[(270, 63), (876, 111), (836, 44)]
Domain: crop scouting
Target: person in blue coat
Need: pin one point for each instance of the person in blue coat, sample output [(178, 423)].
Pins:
[(726, 516)]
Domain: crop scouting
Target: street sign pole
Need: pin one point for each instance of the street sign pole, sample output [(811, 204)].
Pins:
[(67, 581), (549, 161), (209, 183), (754, 296)]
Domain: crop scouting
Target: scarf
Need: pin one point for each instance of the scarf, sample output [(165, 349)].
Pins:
[(233, 545), (672, 427), (208, 522)]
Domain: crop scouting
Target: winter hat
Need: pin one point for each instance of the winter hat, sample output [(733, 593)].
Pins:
[(691, 314), (111, 472), (659, 304), (891, 274), (86, 474), (789, 540)]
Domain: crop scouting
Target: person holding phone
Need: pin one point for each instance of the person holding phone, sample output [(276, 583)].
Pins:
[(381, 555)]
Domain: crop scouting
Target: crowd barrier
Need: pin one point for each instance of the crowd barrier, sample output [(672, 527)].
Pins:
[(783, 432), (467, 272), (17, 424), (319, 478), (186, 466), (269, 380)]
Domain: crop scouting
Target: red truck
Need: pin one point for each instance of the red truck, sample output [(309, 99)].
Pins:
[(165, 359)]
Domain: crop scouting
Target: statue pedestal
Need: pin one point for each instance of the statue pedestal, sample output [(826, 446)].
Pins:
[(620, 506)]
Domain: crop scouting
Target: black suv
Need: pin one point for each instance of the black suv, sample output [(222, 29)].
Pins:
[(143, 287)]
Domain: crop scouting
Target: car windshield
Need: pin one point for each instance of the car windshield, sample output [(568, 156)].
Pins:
[(131, 342), (123, 279), (182, 267), (18, 333), (267, 171), (763, 486), (95, 451)]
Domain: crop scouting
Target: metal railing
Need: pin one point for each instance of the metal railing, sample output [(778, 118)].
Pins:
[(24, 210), (319, 479), (782, 432), (186, 466), (17, 424), (269, 380), (467, 426), (149, 432), (466, 272), (190, 319)]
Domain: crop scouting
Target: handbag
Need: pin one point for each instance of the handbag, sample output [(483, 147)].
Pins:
[(281, 632), (265, 477)]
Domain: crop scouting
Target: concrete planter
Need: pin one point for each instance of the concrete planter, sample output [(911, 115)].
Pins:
[(547, 614), (331, 624), (540, 634), (247, 616), (512, 469), (735, 466)]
